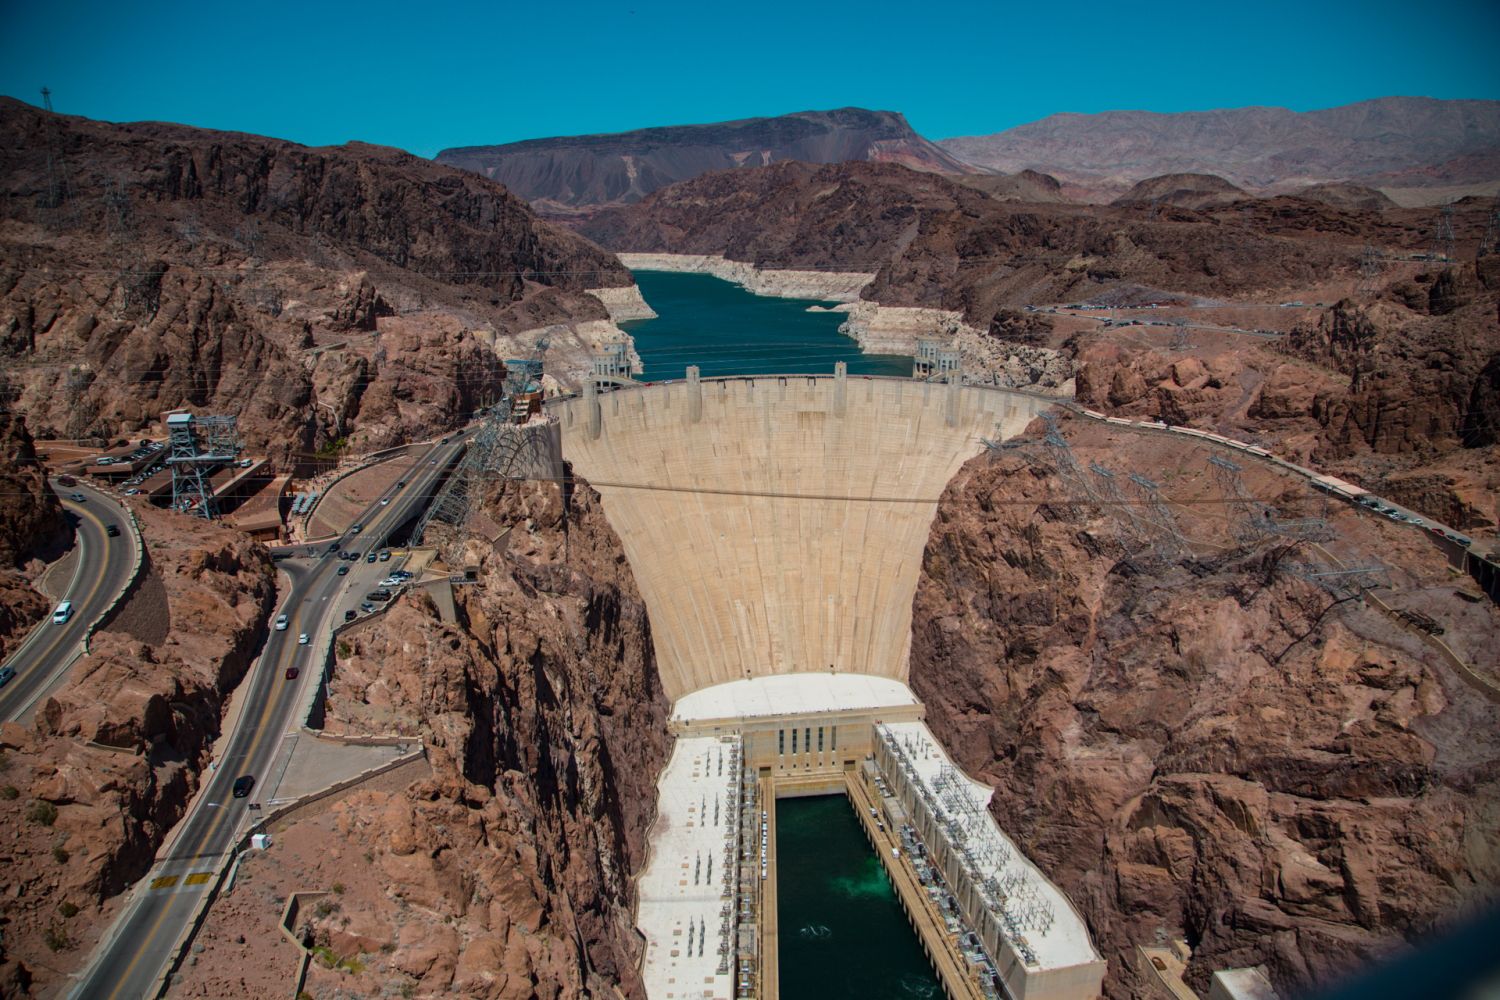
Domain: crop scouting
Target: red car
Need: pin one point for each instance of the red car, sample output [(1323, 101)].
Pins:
[(291, 673)]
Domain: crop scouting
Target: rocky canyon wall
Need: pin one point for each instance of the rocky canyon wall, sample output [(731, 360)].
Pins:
[(510, 869), (1216, 750)]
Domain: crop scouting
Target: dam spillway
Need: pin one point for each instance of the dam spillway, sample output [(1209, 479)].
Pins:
[(775, 524)]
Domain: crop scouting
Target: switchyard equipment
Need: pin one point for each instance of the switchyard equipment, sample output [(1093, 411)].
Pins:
[(498, 450), (196, 447)]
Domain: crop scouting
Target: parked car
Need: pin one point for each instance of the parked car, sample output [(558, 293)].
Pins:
[(243, 784), (385, 555), (132, 492), (350, 615), (356, 529), (367, 607), (370, 557), (66, 481)]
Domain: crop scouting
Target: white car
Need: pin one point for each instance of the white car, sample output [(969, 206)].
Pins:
[(281, 623), (63, 613), (303, 640)]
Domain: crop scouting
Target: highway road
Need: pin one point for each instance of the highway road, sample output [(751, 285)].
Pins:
[(101, 570), (142, 944)]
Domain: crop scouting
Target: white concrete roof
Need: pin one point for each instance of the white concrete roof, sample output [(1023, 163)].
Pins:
[(1066, 942), (784, 694), (680, 894)]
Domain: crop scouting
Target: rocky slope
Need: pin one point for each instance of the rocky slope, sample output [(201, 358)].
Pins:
[(1196, 191), (1217, 749), (937, 244), (1394, 390), (508, 872), (31, 525), (564, 175), (88, 793), (353, 292), (1418, 138)]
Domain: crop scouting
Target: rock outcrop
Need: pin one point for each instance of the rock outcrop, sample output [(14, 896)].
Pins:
[(354, 293), (1216, 750), (87, 796), (508, 873), (31, 525)]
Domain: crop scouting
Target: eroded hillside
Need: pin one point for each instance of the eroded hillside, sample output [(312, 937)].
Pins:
[(352, 292), (508, 872), (1216, 748)]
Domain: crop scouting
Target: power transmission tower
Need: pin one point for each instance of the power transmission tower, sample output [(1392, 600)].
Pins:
[(78, 418), (1251, 519), (497, 447), (1442, 239), (1122, 510), (1180, 337), (1491, 241), (1055, 451), (59, 189), (117, 211), (1370, 268), (1347, 582), (196, 446), (1166, 539)]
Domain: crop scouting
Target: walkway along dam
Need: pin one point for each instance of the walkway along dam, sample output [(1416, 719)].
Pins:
[(775, 526)]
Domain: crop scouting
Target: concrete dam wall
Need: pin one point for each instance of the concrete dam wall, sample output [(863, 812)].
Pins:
[(775, 524)]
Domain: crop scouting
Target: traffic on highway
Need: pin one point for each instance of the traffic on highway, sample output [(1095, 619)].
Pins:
[(141, 948), (102, 565)]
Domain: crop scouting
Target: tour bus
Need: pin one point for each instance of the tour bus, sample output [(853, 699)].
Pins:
[(63, 613)]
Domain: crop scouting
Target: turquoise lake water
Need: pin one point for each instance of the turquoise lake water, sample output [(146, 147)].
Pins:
[(842, 931), (725, 330)]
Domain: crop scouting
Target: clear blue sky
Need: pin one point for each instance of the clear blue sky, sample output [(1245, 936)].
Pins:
[(423, 76)]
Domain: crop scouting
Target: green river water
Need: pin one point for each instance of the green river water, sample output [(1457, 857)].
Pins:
[(842, 931), (725, 330)]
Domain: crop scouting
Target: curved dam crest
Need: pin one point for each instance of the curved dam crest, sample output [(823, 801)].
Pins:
[(776, 524)]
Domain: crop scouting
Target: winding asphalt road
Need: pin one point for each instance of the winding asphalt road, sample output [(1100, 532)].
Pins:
[(101, 570), (143, 942)]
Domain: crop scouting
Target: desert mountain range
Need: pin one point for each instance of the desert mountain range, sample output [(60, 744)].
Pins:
[(567, 173), (1418, 150)]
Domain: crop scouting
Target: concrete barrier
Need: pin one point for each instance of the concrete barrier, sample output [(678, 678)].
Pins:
[(1488, 689), (130, 584)]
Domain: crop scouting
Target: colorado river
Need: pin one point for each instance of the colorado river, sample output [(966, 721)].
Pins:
[(841, 928), (725, 330)]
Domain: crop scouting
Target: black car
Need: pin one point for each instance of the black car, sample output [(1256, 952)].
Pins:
[(243, 784), (370, 557), (112, 530), (343, 571), (350, 615), (333, 546)]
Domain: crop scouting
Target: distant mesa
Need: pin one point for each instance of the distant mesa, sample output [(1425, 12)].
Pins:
[(1195, 191), (575, 174), (1408, 142)]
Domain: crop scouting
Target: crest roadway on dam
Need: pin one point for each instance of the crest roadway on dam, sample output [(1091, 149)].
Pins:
[(775, 524)]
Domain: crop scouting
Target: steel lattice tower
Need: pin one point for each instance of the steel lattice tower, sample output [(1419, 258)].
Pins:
[(1443, 239), (192, 456), (1165, 536)]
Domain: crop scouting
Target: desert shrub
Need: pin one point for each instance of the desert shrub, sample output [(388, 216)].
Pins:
[(42, 812)]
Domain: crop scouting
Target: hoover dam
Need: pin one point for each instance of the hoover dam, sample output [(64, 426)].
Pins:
[(775, 526)]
